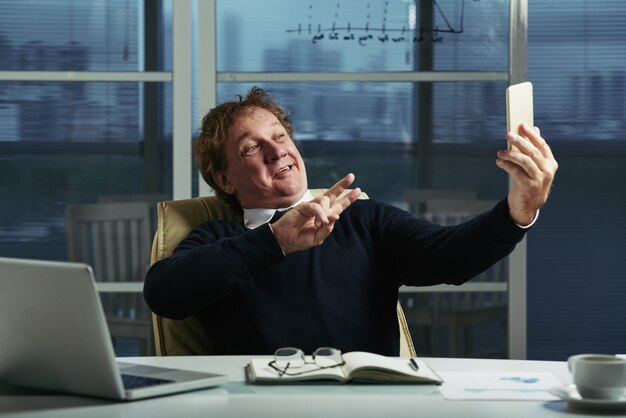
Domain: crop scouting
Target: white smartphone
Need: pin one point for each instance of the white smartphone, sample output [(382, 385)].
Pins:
[(519, 106)]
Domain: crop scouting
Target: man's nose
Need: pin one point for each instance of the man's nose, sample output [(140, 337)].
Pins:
[(275, 151)]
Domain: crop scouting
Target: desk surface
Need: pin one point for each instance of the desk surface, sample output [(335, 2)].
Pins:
[(237, 399)]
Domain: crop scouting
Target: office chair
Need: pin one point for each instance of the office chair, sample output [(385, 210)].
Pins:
[(176, 218)]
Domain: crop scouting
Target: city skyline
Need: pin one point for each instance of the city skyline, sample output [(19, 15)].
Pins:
[(111, 111)]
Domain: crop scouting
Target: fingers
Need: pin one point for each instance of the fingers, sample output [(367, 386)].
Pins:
[(335, 191), (309, 223), (321, 210), (532, 168), (533, 153), (343, 203), (326, 212), (306, 225), (326, 209), (339, 204), (530, 140)]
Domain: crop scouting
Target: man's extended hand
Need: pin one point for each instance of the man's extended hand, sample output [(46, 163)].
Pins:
[(532, 168), (308, 224)]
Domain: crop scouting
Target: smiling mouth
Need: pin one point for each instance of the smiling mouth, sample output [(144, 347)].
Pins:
[(282, 170)]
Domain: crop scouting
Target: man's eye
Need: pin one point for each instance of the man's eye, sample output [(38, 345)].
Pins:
[(251, 148), (280, 137)]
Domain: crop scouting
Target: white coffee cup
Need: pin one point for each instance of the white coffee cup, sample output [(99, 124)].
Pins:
[(598, 376)]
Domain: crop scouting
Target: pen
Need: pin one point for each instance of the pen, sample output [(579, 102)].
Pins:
[(413, 364)]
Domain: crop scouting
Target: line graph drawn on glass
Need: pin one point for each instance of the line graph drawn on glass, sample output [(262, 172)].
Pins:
[(395, 22)]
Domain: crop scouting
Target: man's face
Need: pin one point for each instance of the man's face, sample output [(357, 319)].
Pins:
[(265, 169)]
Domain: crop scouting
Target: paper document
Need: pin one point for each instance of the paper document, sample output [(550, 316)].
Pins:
[(498, 386)]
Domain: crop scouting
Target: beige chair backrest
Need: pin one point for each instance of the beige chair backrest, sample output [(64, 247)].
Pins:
[(176, 218)]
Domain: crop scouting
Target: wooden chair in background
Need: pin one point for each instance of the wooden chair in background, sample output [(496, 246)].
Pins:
[(458, 313), (462, 312), (417, 199), (114, 238), (151, 198)]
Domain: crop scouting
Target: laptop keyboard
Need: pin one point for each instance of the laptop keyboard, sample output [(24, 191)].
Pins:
[(135, 382)]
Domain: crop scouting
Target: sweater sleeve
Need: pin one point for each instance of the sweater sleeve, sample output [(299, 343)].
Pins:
[(423, 254), (206, 266)]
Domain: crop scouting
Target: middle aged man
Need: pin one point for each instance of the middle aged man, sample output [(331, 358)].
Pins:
[(327, 272)]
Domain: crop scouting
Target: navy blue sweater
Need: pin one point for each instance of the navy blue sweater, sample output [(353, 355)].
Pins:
[(252, 299)]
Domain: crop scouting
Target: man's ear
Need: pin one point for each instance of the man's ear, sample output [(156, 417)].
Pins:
[(221, 178)]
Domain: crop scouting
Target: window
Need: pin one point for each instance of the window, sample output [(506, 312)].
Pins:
[(576, 53), (97, 138), (419, 104)]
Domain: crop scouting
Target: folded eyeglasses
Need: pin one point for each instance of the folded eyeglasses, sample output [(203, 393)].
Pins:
[(289, 358)]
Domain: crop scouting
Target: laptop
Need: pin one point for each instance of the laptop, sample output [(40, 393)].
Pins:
[(53, 335)]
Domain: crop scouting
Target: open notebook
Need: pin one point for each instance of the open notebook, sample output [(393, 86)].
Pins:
[(53, 335), (358, 366)]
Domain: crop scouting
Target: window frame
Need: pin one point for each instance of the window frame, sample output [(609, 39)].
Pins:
[(182, 79)]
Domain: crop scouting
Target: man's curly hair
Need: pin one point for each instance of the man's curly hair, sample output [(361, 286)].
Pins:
[(210, 146)]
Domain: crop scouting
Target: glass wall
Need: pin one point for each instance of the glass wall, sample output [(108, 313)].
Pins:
[(71, 148), (576, 286), (361, 36), (423, 146)]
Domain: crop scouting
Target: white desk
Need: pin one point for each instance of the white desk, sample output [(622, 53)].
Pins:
[(237, 399)]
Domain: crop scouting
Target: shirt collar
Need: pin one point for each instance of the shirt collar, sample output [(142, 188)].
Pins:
[(253, 218)]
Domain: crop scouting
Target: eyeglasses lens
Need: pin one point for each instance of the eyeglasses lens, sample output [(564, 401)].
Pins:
[(292, 357), (327, 356)]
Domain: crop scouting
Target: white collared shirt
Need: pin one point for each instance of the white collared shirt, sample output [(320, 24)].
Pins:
[(254, 218)]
